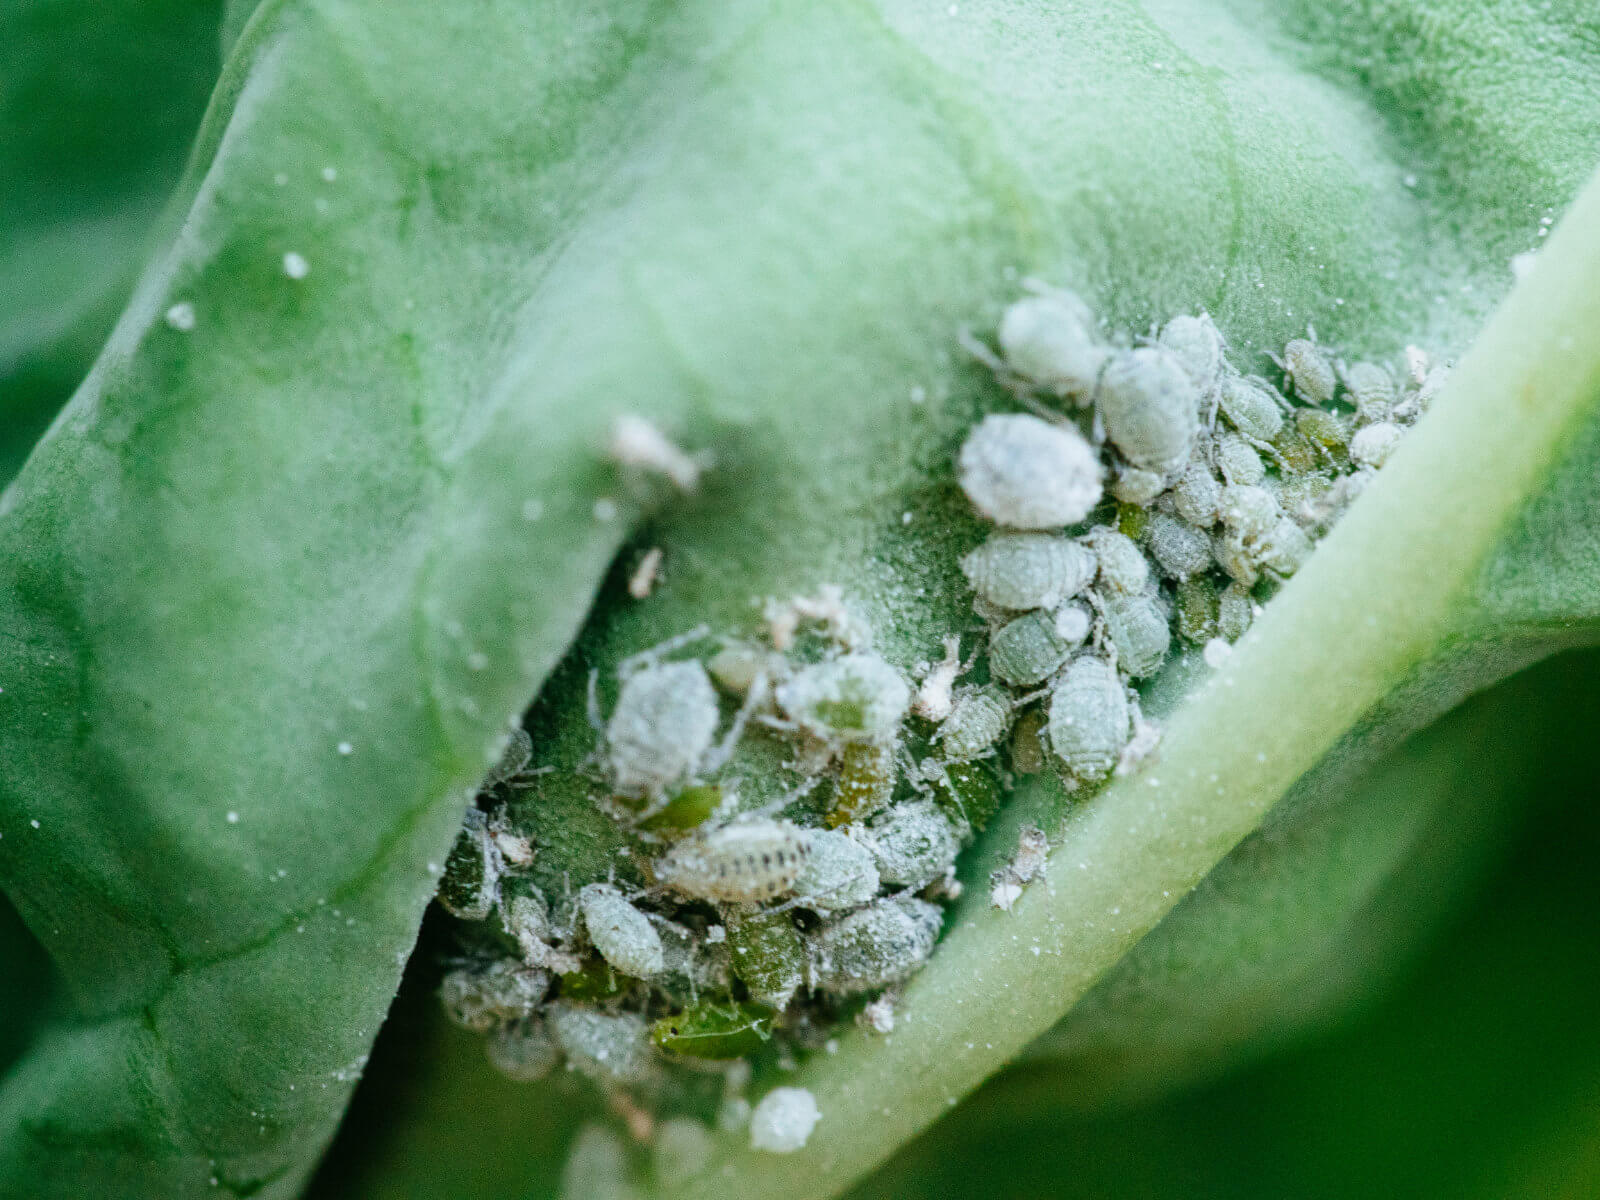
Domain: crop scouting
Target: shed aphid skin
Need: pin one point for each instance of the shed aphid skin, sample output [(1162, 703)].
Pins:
[(645, 576), (758, 924), (1025, 473), (635, 444)]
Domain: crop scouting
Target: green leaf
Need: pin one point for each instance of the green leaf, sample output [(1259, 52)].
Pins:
[(357, 508), (98, 103)]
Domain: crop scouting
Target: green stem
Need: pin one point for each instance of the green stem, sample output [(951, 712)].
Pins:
[(1376, 601)]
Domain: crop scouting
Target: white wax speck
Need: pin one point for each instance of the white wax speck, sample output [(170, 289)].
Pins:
[(329, 174), (295, 265), (281, 178), (532, 510), (346, 748), (1216, 652), (784, 1119), (34, 823), (181, 316), (605, 509), (233, 818)]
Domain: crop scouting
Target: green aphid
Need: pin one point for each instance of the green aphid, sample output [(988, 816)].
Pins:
[(1325, 431), (969, 792), (1197, 609), (709, 1029), (690, 808), (767, 953), (595, 982), (1133, 520), (1028, 754), (865, 783), (1295, 450)]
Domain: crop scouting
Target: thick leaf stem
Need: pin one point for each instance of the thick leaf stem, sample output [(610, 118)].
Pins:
[(1388, 587)]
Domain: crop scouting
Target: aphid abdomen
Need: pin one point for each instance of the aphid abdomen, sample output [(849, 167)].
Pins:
[(1197, 344), (1252, 408), (1150, 408), (1310, 370), (743, 863), (620, 932), (601, 1045), (1139, 630), (714, 1030), (1028, 650), (663, 724), (865, 782), (1022, 571), (1089, 719), (523, 1050), (979, 719)]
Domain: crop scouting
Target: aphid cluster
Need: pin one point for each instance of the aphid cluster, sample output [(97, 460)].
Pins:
[(1151, 495)]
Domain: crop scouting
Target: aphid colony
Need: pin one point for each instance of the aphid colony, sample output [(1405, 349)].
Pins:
[(1150, 492)]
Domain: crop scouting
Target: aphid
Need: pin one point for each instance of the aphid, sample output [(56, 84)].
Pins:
[(968, 793), (839, 874), (766, 951), (1136, 486), (1049, 340), (661, 729), (1236, 558), (1372, 391), (874, 946), (979, 719), (783, 1121), (596, 1167), (1311, 371), (740, 863), (934, 697), (1088, 722), (1006, 884), (1132, 521), (865, 782), (1235, 611), (601, 1045), (1029, 570), (594, 981), (1138, 630), (1238, 461), (523, 1050), (1122, 567), (1180, 550), (1324, 430), (1285, 550), (1028, 650), (526, 920), (1294, 451), (688, 809), (1197, 609), (1251, 512), (513, 760), (1197, 497), (855, 697), (620, 932), (643, 580), (1197, 344), (636, 444), (1149, 407), (1027, 743), (1025, 473), (1252, 407), (878, 1015), (714, 1030), (826, 609), (481, 996), (912, 844), (1372, 446), (470, 884), (682, 1148)]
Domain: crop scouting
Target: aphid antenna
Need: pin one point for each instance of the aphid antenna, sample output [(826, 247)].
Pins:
[(635, 663), (597, 720)]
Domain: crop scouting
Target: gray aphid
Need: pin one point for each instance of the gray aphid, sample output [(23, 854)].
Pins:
[(878, 945), (855, 697), (1049, 340), (740, 863), (1025, 473), (663, 725), (1251, 512), (1029, 570), (1238, 461), (1122, 566), (1138, 629), (1134, 485), (513, 759), (1372, 446), (523, 1050), (1252, 407), (1197, 498), (839, 873), (913, 844), (980, 718), (1285, 550), (481, 996), (1235, 611), (1180, 550), (1372, 390), (620, 932), (599, 1044), (1089, 719), (1028, 650), (1150, 408), (1311, 370), (1197, 344)]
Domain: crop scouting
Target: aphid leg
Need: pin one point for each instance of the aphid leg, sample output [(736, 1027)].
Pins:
[(597, 720), (753, 699), (635, 663)]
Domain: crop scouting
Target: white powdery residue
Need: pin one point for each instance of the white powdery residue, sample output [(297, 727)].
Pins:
[(233, 818), (329, 174), (346, 748), (295, 265), (783, 1121), (605, 509), (181, 316), (643, 580), (1216, 652)]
